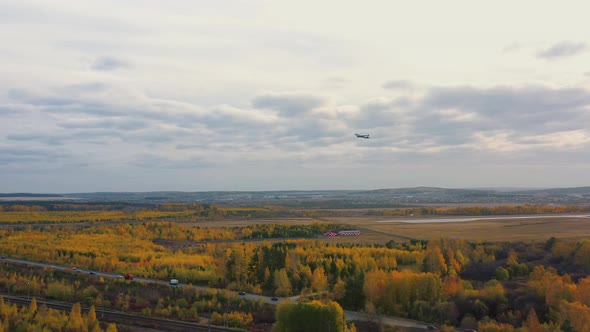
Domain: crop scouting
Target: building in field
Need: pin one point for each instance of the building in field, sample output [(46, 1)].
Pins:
[(349, 233)]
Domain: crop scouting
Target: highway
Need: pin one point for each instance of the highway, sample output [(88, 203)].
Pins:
[(349, 315)]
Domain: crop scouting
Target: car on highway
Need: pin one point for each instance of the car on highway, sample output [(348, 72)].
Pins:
[(242, 293), (274, 298), (91, 272)]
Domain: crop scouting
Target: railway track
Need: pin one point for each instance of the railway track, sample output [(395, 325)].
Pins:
[(125, 318)]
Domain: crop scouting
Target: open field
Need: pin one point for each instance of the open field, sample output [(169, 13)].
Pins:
[(495, 229), (382, 229), (500, 228)]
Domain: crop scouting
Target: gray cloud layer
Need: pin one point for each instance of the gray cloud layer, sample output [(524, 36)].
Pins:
[(438, 120), (287, 105), (562, 49), (107, 63), (398, 84), (87, 127)]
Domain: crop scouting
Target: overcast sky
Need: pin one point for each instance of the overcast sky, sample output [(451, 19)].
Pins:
[(267, 95)]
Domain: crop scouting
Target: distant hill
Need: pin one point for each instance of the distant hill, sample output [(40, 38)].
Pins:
[(479, 191), (427, 190), (29, 195), (559, 191), (378, 198)]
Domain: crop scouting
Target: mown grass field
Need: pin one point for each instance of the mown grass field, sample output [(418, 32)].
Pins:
[(500, 228), (496, 229)]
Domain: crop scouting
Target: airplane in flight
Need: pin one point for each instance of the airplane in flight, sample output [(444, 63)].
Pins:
[(362, 136)]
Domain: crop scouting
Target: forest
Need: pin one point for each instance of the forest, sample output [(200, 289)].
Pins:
[(489, 286), (48, 212), (40, 318)]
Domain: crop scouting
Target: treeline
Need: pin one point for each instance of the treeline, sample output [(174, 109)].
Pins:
[(61, 206), (51, 206), (90, 216), (481, 210), (34, 318), (66, 213), (267, 231), (86, 212)]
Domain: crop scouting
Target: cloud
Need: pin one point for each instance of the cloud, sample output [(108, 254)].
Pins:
[(112, 123), (101, 124), (311, 132), (7, 110), (158, 162), (90, 87), (157, 136), (226, 116), (107, 63), (335, 82), (23, 155), (561, 140), (95, 105), (561, 50), (536, 103), (512, 47), (398, 85), (26, 137), (499, 115), (48, 16), (381, 113), (104, 101), (288, 105), (35, 99), (90, 115), (437, 119), (89, 136)]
